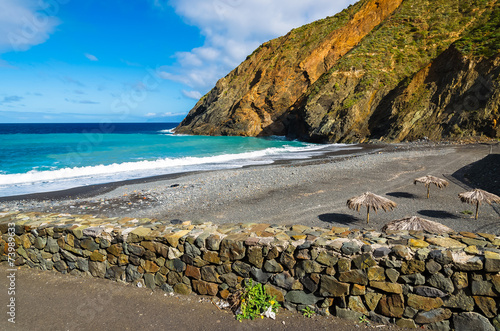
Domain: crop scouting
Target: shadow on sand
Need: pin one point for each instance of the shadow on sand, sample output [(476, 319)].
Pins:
[(339, 218), (481, 174), (437, 214), (405, 195)]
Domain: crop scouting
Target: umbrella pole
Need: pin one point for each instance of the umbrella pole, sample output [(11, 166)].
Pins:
[(428, 189), (477, 208), (367, 215)]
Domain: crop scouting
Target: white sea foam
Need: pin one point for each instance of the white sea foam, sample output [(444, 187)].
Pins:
[(169, 131), (50, 180)]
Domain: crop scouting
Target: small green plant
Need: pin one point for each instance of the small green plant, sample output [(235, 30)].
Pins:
[(466, 212), (364, 320), (308, 312), (255, 301)]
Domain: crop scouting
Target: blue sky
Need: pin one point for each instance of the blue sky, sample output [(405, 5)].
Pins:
[(130, 61)]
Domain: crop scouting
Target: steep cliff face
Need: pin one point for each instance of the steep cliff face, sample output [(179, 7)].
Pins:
[(384, 69)]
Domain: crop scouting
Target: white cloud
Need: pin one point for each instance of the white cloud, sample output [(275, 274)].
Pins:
[(24, 23), (233, 29), (155, 115), (91, 57), (192, 94)]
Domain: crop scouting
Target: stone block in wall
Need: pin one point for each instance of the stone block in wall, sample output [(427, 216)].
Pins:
[(138, 234), (432, 266), (492, 261), (173, 278), (372, 299), (272, 266), (255, 256), (283, 280), (433, 316), (205, 288), (160, 279), (62, 266), (423, 303), (460, 300), (241, 268), (193, 272), (387, 287), (287, 260), (376, 273), (441, 282), (232, 247), (260, 276), (392, 274), (356, 304), (496, 323), (174, 238), (344, 264), (406, 323), (191, 250), (391, 305), (97, 269), (350, 248), (301, 297), (427, 291), (303, 254), (230, 279), (482, 288), (271, 253), (276, 292), (40, 242), (487, 305), (402, 251), (182, 288), (116, 273), (471, 321), (331, 287), (412, 267), (355, 276), (209, 274), (364, 261), (439, 326), (309, 284), (495, 280), (465, 262), (89, 244), (348, 314), (443, 257), (211, 257)]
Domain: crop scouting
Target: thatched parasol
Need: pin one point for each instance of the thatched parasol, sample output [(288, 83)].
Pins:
[(428, 180), (371, 201), (417, 224), (477, 196)]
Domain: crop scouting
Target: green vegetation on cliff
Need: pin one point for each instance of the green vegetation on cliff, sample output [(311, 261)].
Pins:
[(484, 38), (381, 69)]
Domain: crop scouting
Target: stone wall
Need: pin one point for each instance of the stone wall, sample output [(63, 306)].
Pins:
[(412, 279)]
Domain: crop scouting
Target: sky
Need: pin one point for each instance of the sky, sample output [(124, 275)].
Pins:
[(83, 61)]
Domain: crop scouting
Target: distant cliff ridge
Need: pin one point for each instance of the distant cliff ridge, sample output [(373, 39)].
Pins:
[(392, 70)]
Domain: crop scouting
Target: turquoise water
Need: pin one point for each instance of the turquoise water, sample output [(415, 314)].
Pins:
[(46, 157)]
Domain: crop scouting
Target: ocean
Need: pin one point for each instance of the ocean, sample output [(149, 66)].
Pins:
[(37, 158)]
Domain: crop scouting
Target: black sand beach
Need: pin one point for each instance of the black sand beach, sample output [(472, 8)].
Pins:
[(312, 192)]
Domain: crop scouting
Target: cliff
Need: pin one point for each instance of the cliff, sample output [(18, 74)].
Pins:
[(381, 69)]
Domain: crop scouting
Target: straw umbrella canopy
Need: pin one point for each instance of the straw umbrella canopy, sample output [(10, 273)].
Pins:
[(417, 224), (371, 201), (478, 196), (428, 180)]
